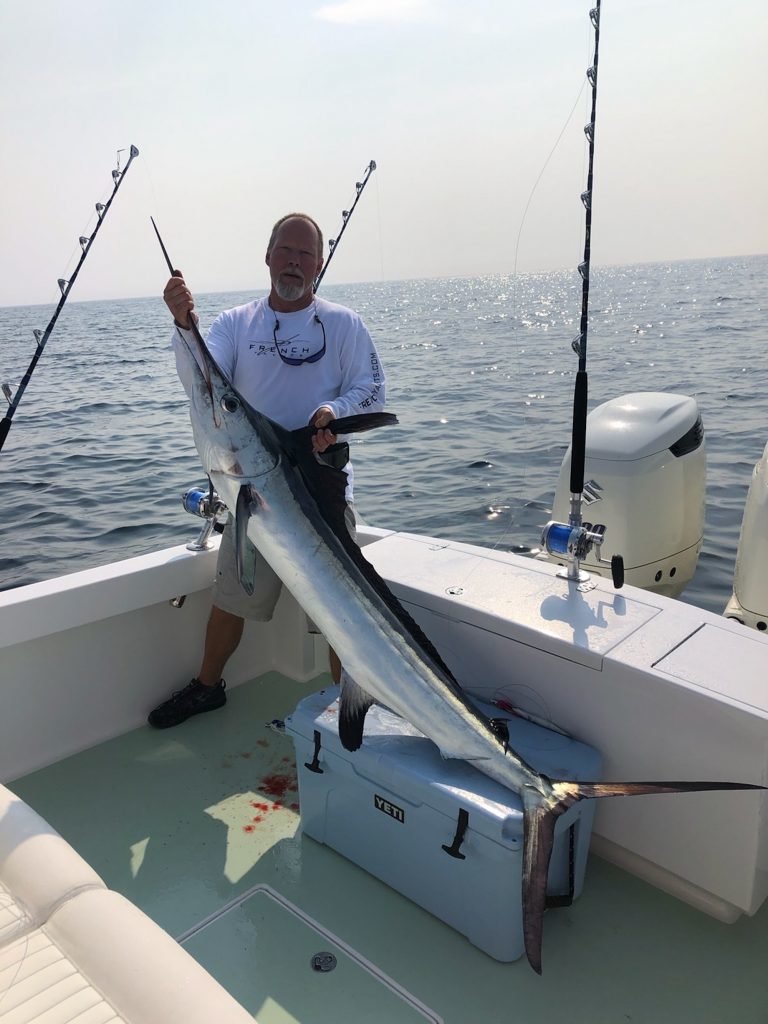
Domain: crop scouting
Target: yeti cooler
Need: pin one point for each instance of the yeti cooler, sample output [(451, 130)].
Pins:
[(438, 831)]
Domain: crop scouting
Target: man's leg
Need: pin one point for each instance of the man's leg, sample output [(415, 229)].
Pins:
[(223, 633), (335, 664), (222, 636)]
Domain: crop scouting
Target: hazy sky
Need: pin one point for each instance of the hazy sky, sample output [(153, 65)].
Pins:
[(243, 111)]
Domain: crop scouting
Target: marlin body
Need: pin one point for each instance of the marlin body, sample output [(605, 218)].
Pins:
[(291, 507)]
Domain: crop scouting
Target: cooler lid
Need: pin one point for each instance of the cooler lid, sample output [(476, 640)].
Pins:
[(397, 756)]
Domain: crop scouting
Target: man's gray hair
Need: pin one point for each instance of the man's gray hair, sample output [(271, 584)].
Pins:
[(292, 216)]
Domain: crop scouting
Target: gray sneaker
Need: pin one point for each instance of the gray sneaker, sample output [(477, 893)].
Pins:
[(193, 699)]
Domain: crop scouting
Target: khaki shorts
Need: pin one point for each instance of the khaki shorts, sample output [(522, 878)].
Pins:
[(260, 606)]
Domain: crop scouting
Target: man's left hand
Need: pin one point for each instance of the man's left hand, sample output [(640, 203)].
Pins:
[(323, 438)]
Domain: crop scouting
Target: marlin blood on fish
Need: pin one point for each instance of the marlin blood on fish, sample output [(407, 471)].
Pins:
[(291, 507)]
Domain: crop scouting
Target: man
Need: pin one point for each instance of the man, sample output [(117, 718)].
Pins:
[(298, 359)]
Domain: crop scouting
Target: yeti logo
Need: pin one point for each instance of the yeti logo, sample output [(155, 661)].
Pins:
[(387, 808)]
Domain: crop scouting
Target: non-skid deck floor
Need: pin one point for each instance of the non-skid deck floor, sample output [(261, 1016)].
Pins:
[(199, 826)]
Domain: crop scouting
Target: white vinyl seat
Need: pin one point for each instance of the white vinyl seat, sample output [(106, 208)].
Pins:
[(74, 952), (38, 869)]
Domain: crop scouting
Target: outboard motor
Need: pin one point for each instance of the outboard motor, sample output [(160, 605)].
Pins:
[(644, 484), (749, 603)]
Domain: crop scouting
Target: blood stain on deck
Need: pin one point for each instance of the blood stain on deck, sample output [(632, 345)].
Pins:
[(279, 785)]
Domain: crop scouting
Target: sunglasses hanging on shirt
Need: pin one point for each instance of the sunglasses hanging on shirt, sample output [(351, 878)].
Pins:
[(291, 360)]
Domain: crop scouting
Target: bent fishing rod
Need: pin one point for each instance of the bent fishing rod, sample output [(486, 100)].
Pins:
[(575, 540), (65, 286), (346, 216)]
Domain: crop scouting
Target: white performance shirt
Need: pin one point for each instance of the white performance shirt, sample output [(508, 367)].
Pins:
[(347, 377)]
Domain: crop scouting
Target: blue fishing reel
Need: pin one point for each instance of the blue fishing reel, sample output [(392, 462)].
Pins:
[(205, 504), (208, 506), (573, 543)]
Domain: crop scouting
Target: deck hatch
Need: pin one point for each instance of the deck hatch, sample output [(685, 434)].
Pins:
[(263, 949)]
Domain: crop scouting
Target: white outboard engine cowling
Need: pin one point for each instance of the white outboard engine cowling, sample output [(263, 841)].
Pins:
[(749, 603), (644, 481)]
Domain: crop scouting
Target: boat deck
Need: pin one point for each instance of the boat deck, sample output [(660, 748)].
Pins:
[(200, 827)]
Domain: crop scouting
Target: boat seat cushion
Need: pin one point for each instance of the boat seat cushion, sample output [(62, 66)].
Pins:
[(100, 959), (38, 869), (74, 952)]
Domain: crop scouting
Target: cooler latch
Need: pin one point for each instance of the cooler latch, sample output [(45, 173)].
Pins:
[(458, 839), (314, 765)]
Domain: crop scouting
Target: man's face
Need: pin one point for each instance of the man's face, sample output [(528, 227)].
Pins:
[(294, 261)]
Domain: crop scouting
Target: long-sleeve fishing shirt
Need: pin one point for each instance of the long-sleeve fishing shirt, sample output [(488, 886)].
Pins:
[(346, 374)]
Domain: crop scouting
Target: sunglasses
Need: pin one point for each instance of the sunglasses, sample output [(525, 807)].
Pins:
[(292, 361)]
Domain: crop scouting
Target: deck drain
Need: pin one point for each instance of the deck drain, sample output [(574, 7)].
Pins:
[(323, 962)]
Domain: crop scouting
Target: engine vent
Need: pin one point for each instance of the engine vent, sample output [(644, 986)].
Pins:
[(690, 441)]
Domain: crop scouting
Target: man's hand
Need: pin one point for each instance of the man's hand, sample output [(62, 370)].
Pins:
[(323, 438), (178, 298)]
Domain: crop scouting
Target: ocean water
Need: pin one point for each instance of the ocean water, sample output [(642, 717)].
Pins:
[(480, 372)]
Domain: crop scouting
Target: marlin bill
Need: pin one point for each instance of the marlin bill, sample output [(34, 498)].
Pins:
[(290, 506)]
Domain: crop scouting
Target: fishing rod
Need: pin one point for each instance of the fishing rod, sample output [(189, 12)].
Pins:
[(65, 286), (346, 215), (576, 539)]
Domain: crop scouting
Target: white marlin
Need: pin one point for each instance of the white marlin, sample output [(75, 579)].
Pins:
[(291, 507)]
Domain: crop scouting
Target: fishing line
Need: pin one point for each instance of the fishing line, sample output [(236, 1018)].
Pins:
[(65, 287), (491, 510), (85, 232), (580, 398), (381, 232), (538, 180), (508, 529), (515, 317), (514, 270)]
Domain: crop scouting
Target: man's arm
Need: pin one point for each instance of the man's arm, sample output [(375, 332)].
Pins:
[(363, 384)]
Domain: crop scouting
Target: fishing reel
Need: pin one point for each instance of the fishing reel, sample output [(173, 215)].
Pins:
[(574, 543), (208, 506)]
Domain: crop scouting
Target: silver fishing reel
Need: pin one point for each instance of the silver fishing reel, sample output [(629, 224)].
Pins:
[(208, 506), (573, 543)]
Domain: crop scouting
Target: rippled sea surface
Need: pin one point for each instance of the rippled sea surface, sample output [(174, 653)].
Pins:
[(480, 372)]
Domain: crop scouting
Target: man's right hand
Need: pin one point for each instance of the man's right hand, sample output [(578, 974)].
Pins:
[(178, 299)]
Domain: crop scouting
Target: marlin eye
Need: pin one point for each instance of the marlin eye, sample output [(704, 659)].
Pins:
[(230, 404)]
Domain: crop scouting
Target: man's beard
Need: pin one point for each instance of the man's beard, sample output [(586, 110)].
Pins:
[(288, 291)]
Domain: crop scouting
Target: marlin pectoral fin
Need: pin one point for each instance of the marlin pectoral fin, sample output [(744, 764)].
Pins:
[(245, 551), (362, 422), (353, 708), (300, 440)]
